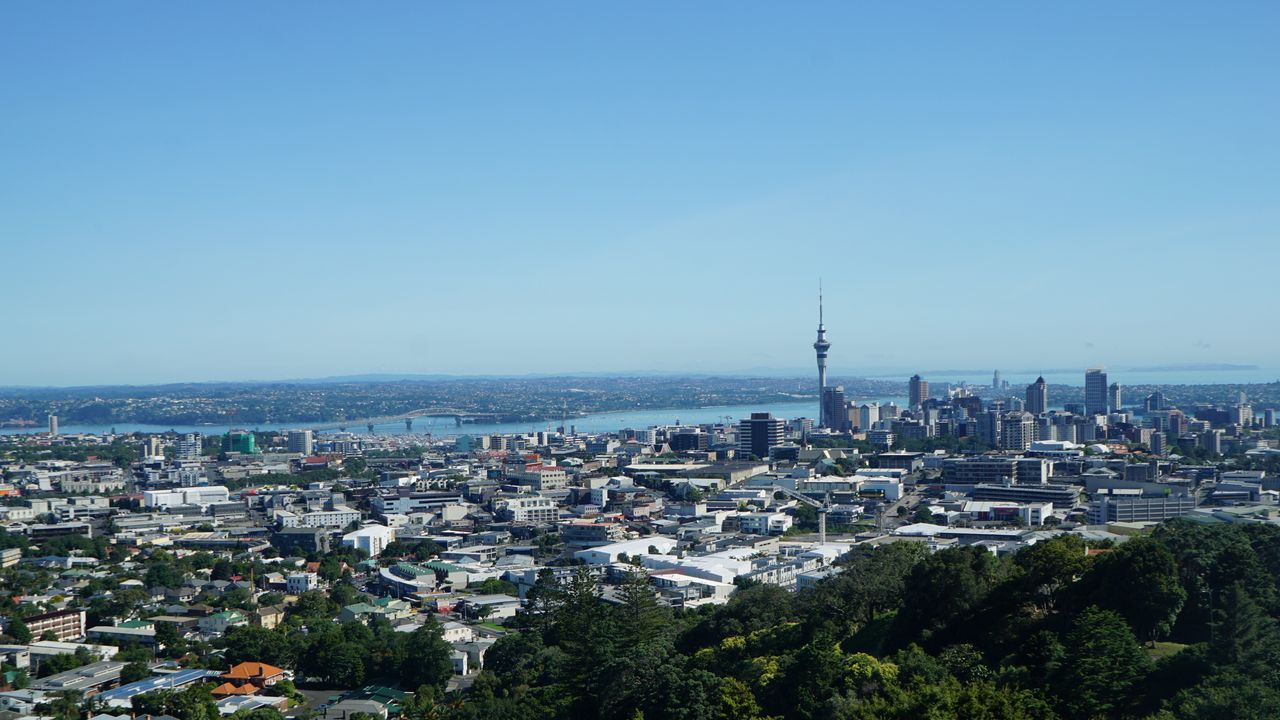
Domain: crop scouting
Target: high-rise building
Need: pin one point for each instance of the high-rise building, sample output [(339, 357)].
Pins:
[(1113, 397), (868, 415), (239, 441), (1155, 402), (53, 424), (189, 447), (1095, 392), (758, 433), (918, 391), (834, 414), (300, 441), (1017, 431), (1157, 443), (1038, 397), (1211, 441), (989, 428), (995, 380), (820, 346), (1269, 417)]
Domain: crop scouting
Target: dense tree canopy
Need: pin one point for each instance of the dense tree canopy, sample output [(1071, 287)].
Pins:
[(1151, 628)]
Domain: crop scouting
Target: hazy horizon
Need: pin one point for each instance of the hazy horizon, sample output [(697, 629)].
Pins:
[(1134, 375), (240, 190)]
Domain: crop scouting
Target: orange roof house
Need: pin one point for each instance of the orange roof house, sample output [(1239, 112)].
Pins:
[(226, 689), (252, 675)]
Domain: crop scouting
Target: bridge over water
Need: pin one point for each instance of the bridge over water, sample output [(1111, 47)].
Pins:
[(406, 418)]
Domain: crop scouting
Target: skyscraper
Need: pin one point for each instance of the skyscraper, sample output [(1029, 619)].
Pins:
[(1038, 397), (995, 380), (821, 346), (300, 441), (53, 424), (758, 433), (1113, 397), (1095, 392), (918, 391), (834, 412)]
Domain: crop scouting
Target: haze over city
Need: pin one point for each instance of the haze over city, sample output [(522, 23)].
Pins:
[(238, 191)]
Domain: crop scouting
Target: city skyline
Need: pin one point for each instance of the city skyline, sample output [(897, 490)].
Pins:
[(194, 197)]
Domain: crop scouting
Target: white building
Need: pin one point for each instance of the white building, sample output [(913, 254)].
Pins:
[(605, 554), (298, 583), (372, 539), (764, 523), (527, 508), (204, 495), (300, 441), (340, 517)]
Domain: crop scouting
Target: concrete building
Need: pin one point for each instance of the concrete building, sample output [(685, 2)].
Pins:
[(1017, 431), (1095, 392), (66, 625), (527, 509), (301, 441), (1037, 397), (918, 391), (1113, 397), (1107, 508), (758, 433), (834, 412), (298, 583), (372, 539)]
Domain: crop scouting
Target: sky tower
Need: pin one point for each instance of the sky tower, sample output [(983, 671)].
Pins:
[(821, 346)]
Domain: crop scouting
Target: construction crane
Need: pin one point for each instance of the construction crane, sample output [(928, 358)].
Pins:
[(823, 507)]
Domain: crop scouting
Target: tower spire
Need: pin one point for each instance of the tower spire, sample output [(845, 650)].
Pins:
[(820, 347)]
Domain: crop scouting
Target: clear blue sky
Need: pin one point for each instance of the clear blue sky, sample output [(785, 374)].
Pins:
[(196, 191)]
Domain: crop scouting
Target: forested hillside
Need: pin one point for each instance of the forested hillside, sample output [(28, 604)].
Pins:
[(1180, 624)]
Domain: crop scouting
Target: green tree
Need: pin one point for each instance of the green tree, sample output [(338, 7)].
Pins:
[(1102, 662), (1140, 581), (134, 671), (428, 660), (19, 631)]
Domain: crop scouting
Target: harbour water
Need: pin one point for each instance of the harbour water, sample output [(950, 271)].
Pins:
[(445, 427)]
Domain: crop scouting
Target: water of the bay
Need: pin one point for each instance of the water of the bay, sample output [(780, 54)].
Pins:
[(446, 427)]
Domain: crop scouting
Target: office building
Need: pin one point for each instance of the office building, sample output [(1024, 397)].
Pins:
[(1155, 402), (918, 391), (868, 416), (758, 433), (988, 424), (1158, 443), (1062, 496), (1106, 508), (301, 441), (53, 424), (1038, 397), (979, 469), (1095, 392), (995, 380), (834, 414), (1113, 397)]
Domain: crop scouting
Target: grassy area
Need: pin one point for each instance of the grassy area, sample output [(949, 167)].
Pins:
[(492, 626), (1165, 649)]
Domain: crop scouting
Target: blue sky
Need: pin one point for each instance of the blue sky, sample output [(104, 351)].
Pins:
[(271, 190)]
